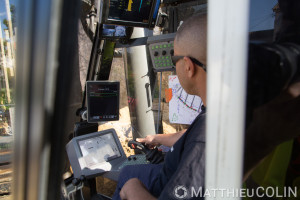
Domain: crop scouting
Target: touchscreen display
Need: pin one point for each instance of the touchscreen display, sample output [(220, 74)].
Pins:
[(97, 150), (103, 101)]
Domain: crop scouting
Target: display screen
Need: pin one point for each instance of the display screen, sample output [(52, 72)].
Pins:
[(131, 10), (103, 100), (114, 31), (97, 150)]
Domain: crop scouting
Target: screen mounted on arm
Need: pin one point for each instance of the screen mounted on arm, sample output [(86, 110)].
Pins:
[(102, 101)]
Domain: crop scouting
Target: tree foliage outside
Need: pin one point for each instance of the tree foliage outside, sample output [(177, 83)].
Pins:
[(5, 22), (13, 17)]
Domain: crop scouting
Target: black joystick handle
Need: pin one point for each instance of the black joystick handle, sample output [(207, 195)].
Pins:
[(137, 145), (153, 155)]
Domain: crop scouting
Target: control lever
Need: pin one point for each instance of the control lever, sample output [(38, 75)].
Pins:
[(154, 156), (137, 145), (71, 188)]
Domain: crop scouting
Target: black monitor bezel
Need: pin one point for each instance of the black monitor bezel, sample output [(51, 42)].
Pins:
[(105, 20), (117, 83)]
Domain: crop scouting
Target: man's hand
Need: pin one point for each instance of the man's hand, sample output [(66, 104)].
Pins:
[(167, 140), (150, 141), (134, 189)]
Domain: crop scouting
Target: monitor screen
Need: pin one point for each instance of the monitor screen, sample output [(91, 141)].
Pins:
[(102, 101), (99, 149), (138, 13), (113, 31)]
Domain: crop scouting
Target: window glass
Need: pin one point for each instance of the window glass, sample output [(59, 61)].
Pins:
[(272, 122), (7, 92)]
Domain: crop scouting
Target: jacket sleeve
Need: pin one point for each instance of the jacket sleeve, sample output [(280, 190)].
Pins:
[(188, 180)]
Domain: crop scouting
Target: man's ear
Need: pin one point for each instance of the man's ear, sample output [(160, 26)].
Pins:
[(189, 67)]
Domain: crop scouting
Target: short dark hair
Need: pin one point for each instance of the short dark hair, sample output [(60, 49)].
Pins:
[(191, 36), (191, 23)]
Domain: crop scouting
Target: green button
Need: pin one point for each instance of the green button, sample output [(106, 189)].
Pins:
[(165, 65), (167, 57), (156, 47), (161, 46), (163, 57), (165, 46), (153, 47)]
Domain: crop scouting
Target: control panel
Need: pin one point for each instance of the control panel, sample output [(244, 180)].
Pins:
[(161, 49), (161, 56), (138, 159)]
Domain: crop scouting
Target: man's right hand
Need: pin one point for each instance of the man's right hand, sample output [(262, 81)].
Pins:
[(167, 140), (149, 140)]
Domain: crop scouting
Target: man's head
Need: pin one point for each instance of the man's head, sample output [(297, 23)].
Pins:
[(190, 42)]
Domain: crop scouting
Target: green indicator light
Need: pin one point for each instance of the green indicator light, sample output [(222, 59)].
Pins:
[(156, 47), (163, 57), (167, 57), (161, 46), (153, 47), (165, 45), (165, 65)]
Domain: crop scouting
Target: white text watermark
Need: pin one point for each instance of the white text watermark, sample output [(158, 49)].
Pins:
[(182, 192)]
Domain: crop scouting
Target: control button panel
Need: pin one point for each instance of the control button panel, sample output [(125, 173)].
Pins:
[(161, 49), (161, 56)]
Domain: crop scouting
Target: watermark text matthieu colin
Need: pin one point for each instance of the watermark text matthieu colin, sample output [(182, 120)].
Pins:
[(182, 192)]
